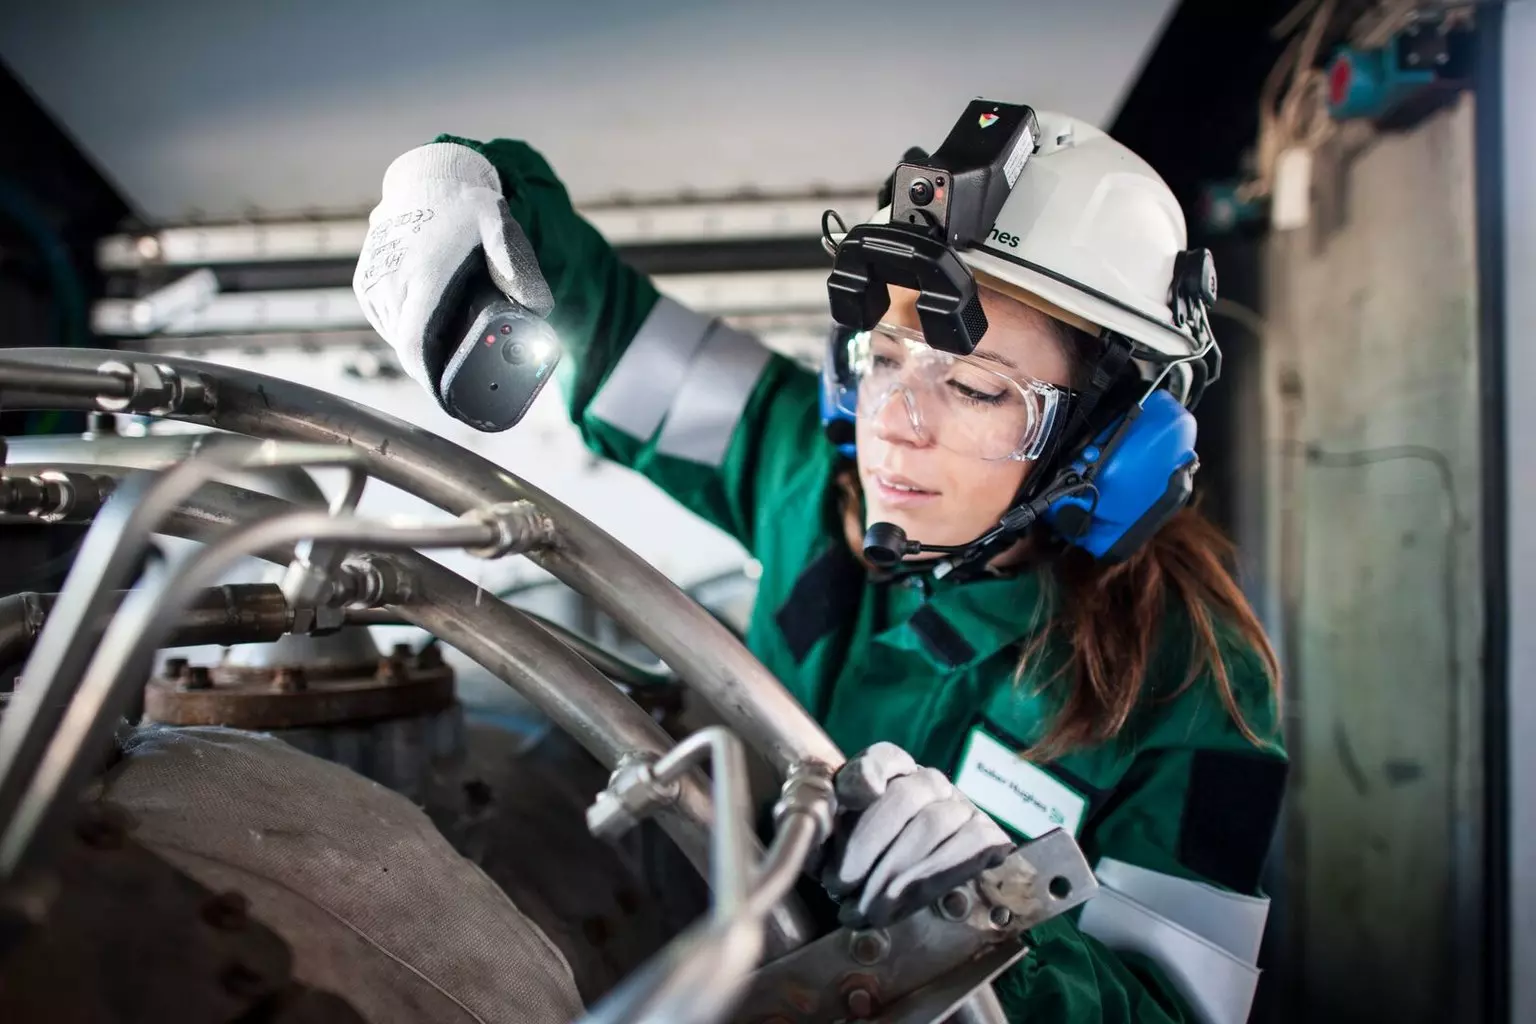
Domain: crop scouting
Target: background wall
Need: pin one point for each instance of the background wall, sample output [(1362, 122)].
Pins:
[(1372, 375), (1519, 370)]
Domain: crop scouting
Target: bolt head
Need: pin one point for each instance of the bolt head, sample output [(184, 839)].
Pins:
[(861, 1005), (290, 679), (955, 905), (196, 678), (868, 947)]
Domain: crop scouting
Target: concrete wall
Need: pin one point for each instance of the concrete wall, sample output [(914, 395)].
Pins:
[(1520, 431), (1371, 384)]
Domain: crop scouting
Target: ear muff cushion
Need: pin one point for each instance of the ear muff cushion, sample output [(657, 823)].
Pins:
[(1144, 476)]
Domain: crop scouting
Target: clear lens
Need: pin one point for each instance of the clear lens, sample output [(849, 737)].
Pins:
[(956, 402)]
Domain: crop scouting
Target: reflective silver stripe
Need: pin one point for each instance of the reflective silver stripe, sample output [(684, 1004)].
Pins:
[(649, 375), (710, 403), (1218, 985), (1231, 920)]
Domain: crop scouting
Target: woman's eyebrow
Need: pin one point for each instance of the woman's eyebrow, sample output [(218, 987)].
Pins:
[(995, 357)]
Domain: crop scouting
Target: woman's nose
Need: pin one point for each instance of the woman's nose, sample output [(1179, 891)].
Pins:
[(897, 419)]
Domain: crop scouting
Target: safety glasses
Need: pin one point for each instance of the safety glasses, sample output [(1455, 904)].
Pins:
[(956, 402)]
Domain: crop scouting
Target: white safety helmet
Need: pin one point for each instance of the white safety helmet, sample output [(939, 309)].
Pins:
[(1094, 231)]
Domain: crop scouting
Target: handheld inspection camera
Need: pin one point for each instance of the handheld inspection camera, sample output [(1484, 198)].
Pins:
[(500, 358)]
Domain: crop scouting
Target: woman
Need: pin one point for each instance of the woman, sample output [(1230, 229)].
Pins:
[(1139, 690)]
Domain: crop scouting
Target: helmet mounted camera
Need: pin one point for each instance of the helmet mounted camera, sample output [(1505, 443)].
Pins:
[(940, 205)]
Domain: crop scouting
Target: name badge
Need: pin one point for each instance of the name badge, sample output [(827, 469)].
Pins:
[(1027, 799)]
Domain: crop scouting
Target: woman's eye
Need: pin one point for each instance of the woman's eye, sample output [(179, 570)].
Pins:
[(886, 363), (970, 394)]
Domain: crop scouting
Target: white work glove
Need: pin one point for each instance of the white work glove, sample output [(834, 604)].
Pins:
[(905, 836), (441, 217)]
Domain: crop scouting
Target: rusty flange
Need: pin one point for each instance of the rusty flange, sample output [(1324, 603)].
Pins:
[(284, 696)]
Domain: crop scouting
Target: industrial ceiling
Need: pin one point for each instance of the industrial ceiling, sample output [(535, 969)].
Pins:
[(203, 111)]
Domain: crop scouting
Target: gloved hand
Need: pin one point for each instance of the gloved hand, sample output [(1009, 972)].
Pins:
[(442, 216), (905, 836), (454, 201)]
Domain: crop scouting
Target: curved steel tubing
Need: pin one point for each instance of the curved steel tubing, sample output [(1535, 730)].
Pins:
[(701, 976), (234, 613), (109, 560), (68, 754), (702, 651), (517, 648), (291, 483)]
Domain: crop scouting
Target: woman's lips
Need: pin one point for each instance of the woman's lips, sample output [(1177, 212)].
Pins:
[(897, 491)]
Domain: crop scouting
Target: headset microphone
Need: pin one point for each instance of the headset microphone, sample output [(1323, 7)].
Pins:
[(886, 544)]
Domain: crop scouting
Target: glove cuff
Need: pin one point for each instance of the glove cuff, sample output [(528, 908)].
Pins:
[(440, 161)]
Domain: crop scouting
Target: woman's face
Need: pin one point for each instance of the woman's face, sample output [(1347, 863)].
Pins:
[(936, 495)]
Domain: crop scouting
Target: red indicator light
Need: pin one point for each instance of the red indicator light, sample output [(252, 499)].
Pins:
[(490, 339), (1339, 79)]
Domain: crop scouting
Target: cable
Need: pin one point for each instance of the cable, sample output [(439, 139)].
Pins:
[(1298, 116), (826, 233)]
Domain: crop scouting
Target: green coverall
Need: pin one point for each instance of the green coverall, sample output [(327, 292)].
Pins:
[(928, 665)]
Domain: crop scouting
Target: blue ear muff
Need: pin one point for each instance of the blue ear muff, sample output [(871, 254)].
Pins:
[(1141, 471), (837, 401)]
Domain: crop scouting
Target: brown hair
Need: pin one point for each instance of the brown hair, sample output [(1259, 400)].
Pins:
[(1111, 616)]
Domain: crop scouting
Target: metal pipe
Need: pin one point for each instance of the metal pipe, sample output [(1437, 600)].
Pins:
[(49, 496), (235, 613), (68, 754), (55, 379), (571, 692), (703, 652), (21, 617), (109, 558), (731, 852), (796, 837), (981, 1007), (615, 666), (702, 975), (220, 504), (291, 483), (513, 646), (215, 506)]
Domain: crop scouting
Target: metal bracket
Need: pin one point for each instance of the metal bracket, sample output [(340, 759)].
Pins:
[(853, 974)]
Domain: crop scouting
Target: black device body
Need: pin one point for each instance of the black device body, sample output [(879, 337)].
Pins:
[(959, 190), (947, 202), (499, 357)]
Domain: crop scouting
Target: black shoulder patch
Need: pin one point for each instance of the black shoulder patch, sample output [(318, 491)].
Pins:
[(1230, 812), (822, 600), (941, 639)]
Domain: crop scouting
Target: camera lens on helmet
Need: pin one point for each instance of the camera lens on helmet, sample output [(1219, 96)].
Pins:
[(514, 353), (920, 192)]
